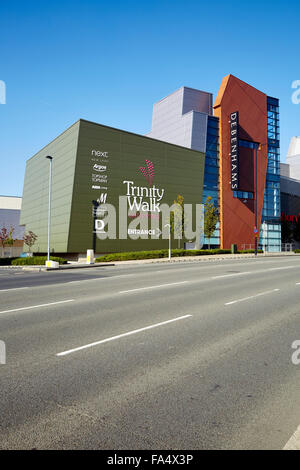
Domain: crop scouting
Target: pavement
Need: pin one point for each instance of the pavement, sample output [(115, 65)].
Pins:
[(178, 259), (152, 356)]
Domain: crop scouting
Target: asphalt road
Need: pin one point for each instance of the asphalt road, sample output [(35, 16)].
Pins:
[(172, 356)]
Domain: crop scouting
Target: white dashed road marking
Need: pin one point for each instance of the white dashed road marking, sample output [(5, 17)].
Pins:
[(113, 338), (251, 297)]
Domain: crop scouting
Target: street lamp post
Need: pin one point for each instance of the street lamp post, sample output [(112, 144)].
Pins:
[(95, 207), (255, 202), (49, 205)]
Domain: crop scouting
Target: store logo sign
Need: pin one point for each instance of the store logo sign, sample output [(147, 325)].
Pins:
[(234, 150), (102, 198), (98, 153), (148, 171), (99, 167), (99, 226), (136, 195)]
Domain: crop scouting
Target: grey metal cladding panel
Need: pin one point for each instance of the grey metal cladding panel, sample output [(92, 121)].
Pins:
[(294, 171), (11, 218), (177, 131), (290, 186), (167, 110), (199, 133), (196, 100), (36, 186)]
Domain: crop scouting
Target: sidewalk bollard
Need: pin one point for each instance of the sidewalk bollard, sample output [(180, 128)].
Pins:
[(90, 258)]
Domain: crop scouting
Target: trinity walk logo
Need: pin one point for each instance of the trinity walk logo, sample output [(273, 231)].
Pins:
[(144, 198)]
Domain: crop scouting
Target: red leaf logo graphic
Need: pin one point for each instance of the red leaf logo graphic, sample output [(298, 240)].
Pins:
[(148, 171)]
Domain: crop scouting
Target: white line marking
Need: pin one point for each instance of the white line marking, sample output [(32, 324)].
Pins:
[(37, 306), (283, 267), (294, 442), (100, 278), (232, 275), (14, 288), (153, 287), (260, 271), (96, 343), (252, 296)]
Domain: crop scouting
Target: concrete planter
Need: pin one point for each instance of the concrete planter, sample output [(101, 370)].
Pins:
[(51, 264)]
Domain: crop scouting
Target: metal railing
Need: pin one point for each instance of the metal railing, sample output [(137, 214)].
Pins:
[(287, 247), (248, 246)]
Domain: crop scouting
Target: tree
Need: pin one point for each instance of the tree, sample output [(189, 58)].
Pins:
[(286, 231), (211, 218), (29, 239), (10, 239), (4, 236), (177, 220)]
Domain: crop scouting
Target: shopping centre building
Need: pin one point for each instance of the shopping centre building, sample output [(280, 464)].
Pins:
[(229, 150)]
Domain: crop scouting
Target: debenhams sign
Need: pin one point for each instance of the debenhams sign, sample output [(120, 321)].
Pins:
[(234, 150)]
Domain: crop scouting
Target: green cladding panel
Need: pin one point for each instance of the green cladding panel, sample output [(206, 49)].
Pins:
[(91, 161), (34, 213)]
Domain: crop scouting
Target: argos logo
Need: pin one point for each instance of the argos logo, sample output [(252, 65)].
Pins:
[(97, 167)]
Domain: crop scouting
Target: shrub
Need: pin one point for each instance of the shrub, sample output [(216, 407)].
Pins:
[(249, 251), (36, 260), (6, 261), (297, 250), (134, 255)]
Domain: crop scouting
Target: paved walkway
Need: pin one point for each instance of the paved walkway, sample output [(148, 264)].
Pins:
[(188, 259)]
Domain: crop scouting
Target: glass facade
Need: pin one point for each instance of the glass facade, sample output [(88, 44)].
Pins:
[(243, 194), (211, 173), (270, 233)]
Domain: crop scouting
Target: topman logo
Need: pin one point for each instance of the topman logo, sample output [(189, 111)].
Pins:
[(2, 92), (2, 352)]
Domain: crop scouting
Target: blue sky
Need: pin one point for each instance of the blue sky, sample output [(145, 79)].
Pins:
[(110, 61)]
